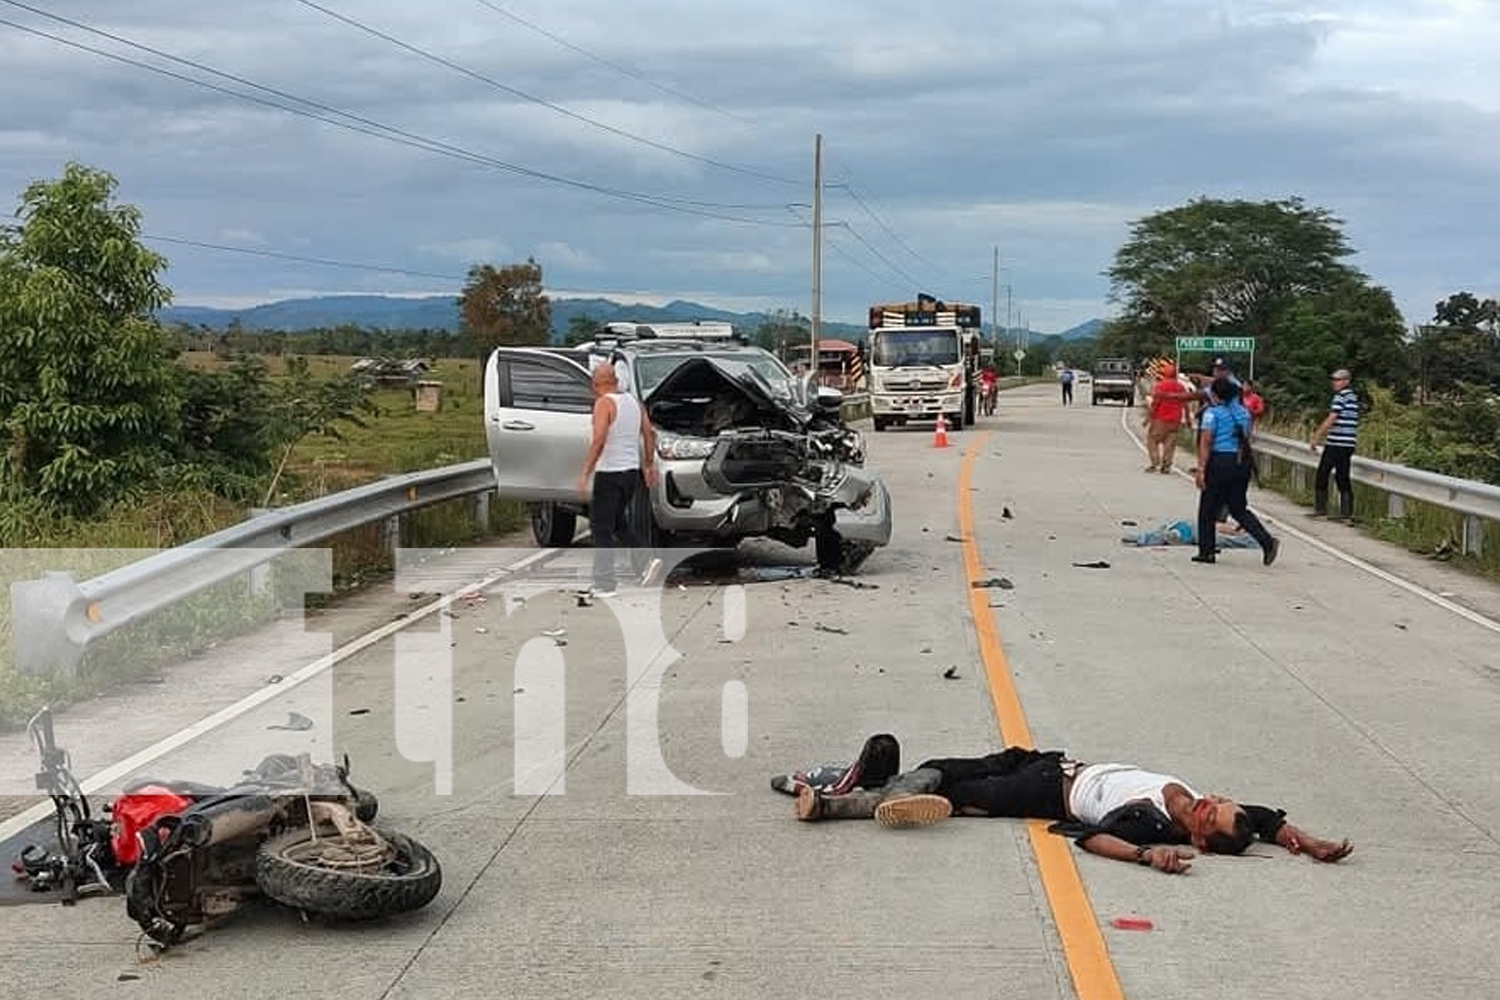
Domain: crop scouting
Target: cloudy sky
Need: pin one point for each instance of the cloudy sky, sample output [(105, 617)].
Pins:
[(657, 149)]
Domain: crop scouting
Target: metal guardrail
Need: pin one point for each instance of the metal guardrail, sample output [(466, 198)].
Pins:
[(1477, 502), (54, 618)]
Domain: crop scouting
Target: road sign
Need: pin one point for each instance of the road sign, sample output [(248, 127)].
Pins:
[(1019, 354), (1240, 344)]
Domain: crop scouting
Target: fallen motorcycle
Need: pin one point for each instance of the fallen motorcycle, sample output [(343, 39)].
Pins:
[(185, 854)]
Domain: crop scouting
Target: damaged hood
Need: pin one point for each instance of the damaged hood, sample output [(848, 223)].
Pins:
[(702, 379)]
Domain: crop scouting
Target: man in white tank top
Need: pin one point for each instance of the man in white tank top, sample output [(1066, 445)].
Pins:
[(1117, 811), (621, 455)]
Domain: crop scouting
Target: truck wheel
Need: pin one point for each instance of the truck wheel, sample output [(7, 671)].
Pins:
[(552, 527), (879, 424)]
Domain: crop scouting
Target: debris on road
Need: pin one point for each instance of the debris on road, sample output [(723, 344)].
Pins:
[(830, 629), (480, 629), (1005, 513), (994, 581), (275, 679), (1129, 524), (954, 538), (951, 674), (359, 711), (1096, 564), (295, 722), (555, 633), (845, 581), (1132, 923)]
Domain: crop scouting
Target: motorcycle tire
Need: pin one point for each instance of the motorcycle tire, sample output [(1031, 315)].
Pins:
[(347, 894)]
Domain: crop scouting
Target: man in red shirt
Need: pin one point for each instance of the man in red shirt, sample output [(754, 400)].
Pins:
[(1252, 400), (1164, 415)]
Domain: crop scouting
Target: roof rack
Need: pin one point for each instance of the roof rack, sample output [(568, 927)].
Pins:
[(694, 330)]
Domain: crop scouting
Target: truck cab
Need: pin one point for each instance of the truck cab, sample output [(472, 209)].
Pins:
[(1113, 378)]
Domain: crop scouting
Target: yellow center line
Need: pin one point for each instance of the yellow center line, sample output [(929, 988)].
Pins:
[(1082, 943)]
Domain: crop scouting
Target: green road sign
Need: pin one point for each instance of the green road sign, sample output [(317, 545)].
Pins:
[(1226, 344)]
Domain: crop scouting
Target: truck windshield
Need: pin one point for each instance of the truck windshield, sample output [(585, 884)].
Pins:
[(898, 348)]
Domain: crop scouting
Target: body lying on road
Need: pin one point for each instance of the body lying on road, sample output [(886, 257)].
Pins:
[(1118, 811)]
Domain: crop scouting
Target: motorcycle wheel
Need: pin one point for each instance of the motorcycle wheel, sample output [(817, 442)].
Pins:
[(309, 875)]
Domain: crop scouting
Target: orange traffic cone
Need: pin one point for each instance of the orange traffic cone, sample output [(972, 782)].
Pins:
[(940, 433)]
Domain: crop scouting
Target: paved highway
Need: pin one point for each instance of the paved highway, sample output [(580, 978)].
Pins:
[(1340, 684)]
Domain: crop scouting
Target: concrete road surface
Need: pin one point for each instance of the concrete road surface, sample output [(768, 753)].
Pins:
[(1350, 694)]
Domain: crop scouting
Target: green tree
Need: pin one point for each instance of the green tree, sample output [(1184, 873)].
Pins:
[(581, 330), (1232, 265), (504, 306), (1353, 325), (89, 391), (782, 329), (1461, 345)]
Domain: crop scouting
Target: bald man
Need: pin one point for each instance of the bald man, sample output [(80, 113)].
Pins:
[(621, 454)]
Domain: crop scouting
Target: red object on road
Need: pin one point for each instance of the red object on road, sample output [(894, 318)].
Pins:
[(1132, 923)]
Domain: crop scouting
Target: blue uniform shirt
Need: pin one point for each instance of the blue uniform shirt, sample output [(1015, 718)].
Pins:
[(1221, 420)]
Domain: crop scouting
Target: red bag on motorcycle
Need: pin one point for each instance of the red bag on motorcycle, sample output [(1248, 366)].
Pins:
[(135, 811)]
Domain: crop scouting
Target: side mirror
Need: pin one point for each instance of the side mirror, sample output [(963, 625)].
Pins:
[(829, 399)]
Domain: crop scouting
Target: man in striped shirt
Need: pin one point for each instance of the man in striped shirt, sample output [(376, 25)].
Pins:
[(1338, 431)]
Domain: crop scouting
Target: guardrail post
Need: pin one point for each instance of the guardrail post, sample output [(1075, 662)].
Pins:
[(259, 576), (482, 511), (41, 642), (1395, 506), (1473, 536), (1299, 477)]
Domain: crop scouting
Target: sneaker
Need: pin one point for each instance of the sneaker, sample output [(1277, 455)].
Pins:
[(1269, 555), (1205, 558), (653, 570), (913, 810), (1165, 470), (809, 804)]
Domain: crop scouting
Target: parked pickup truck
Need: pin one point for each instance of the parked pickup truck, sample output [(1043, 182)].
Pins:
[(1114, 378)]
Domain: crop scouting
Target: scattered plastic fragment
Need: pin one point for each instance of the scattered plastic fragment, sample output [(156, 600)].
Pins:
[(1132, 923)]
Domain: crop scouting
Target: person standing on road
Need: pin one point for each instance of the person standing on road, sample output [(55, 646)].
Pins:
[(1165, 415), (1117, 811), (621, 459), (1223, 472), (1066, 378), (1339, 430)]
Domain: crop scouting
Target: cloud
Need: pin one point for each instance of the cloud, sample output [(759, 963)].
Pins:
[(1042, 127)]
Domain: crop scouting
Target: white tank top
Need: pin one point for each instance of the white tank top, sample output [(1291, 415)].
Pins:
[(622, 445), (1099, 789)]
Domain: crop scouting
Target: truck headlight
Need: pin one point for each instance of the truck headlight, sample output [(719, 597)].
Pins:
[(671, 446)]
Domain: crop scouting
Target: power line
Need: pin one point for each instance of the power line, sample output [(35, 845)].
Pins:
[(298, 258), (871, 247), (365, 126), (363, 266), (491, 81), (622, 70), (838, 249), (893, 234)]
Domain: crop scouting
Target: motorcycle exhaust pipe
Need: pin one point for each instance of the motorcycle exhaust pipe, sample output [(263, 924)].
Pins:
[(227, 819)]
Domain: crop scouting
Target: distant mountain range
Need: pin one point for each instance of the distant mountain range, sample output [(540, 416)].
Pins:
[(440, 312)]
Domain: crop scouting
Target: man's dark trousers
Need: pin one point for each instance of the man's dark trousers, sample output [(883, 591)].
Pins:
[(609, 523), (1335, 459), (1226, 483)]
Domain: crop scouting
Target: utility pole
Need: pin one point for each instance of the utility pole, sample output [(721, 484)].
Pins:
[(995, 302), (817, 261)]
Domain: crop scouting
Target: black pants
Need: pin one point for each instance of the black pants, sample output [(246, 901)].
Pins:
[(1016, 782), (1067, 392), (1226, 481), (609, 524), (1335, 459)]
